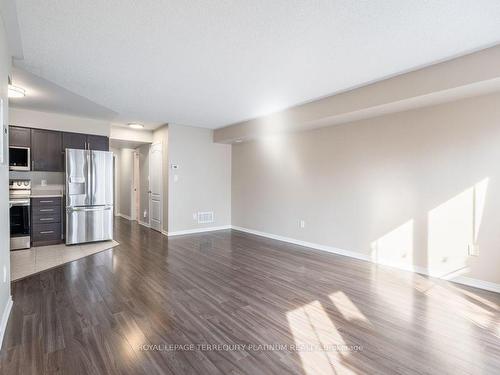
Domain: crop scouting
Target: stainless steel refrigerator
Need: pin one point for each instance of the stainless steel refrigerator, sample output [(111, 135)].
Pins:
[(89, 196)]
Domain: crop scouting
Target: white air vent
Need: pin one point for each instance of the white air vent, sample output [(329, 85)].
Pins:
[(205, 217)]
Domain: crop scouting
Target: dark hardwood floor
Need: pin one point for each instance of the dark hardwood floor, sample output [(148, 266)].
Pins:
[(202, 304)]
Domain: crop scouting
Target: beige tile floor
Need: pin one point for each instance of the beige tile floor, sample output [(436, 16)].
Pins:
[(26, 262)]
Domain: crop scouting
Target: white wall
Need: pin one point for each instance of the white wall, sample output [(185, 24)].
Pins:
[(57, 121), (5, 297), (126, 167), (203, 181), (412, 189)]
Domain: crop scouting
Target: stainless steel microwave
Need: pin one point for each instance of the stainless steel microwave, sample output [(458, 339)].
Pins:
[(19, 158)]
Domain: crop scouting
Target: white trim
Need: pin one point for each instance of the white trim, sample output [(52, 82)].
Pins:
[(124, 216), (476, 283), (329, 249), (164, 232), (144, 223), (5, 319), (197, 230)]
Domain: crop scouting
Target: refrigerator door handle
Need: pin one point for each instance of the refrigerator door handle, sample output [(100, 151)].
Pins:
[(87, 209), (93, 177), (89, 181)]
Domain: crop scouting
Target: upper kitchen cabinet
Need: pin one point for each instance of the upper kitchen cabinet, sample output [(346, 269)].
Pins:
[(74, 140), (19, 137), (85, 142), (46, 150), (98, 142)]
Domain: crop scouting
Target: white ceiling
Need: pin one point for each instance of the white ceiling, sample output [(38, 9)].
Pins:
[(213, 63)]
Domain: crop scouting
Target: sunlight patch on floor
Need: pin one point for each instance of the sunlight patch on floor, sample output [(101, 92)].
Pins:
[(347, 308), (314, 332)]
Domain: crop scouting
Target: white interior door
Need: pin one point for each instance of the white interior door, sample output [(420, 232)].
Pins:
[(155, 186), (136, 206)]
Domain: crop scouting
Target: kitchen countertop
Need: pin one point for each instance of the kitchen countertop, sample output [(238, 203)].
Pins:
[(46, 195)]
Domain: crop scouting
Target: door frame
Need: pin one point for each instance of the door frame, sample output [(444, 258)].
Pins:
[(161, 185)]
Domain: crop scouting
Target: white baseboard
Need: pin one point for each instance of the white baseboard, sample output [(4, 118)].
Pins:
[(197, 230), (316, 246), (476, 283), (5, 319), (144, 223), (124, 216)]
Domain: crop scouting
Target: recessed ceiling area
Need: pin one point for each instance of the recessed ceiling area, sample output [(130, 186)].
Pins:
[(121, 143), (43, 95), (216, 63)]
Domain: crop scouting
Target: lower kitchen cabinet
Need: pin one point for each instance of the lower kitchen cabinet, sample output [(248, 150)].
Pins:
[(46, 221)]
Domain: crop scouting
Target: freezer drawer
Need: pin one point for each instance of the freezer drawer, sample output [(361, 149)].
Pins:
[(87, 224)]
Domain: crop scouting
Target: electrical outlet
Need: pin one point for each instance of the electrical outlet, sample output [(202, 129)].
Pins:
[(176, 177), (144, 214), (473, 250), (302, 224)]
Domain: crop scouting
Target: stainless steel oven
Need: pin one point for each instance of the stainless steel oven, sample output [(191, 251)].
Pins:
[(20, 223), (19, 158)]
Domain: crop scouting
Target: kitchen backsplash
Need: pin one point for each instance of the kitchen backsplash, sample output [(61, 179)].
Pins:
[(52, 178)]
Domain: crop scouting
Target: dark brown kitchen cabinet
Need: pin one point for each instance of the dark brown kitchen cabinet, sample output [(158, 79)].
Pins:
[(85, 142), (74, 140), (46, 150), (46, 221), (97, 142), (19, 137)]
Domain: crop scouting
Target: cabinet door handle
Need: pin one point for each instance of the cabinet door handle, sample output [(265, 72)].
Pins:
[(46, 201), (46, 232), (46, 219), (47, 210)]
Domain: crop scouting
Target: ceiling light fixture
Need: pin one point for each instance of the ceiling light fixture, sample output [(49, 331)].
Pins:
[(16, 92), (135, 125)]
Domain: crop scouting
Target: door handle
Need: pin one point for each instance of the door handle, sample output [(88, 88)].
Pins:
[(89, 209)]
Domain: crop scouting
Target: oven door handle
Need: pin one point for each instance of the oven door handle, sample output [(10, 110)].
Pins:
[(20, 203)]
